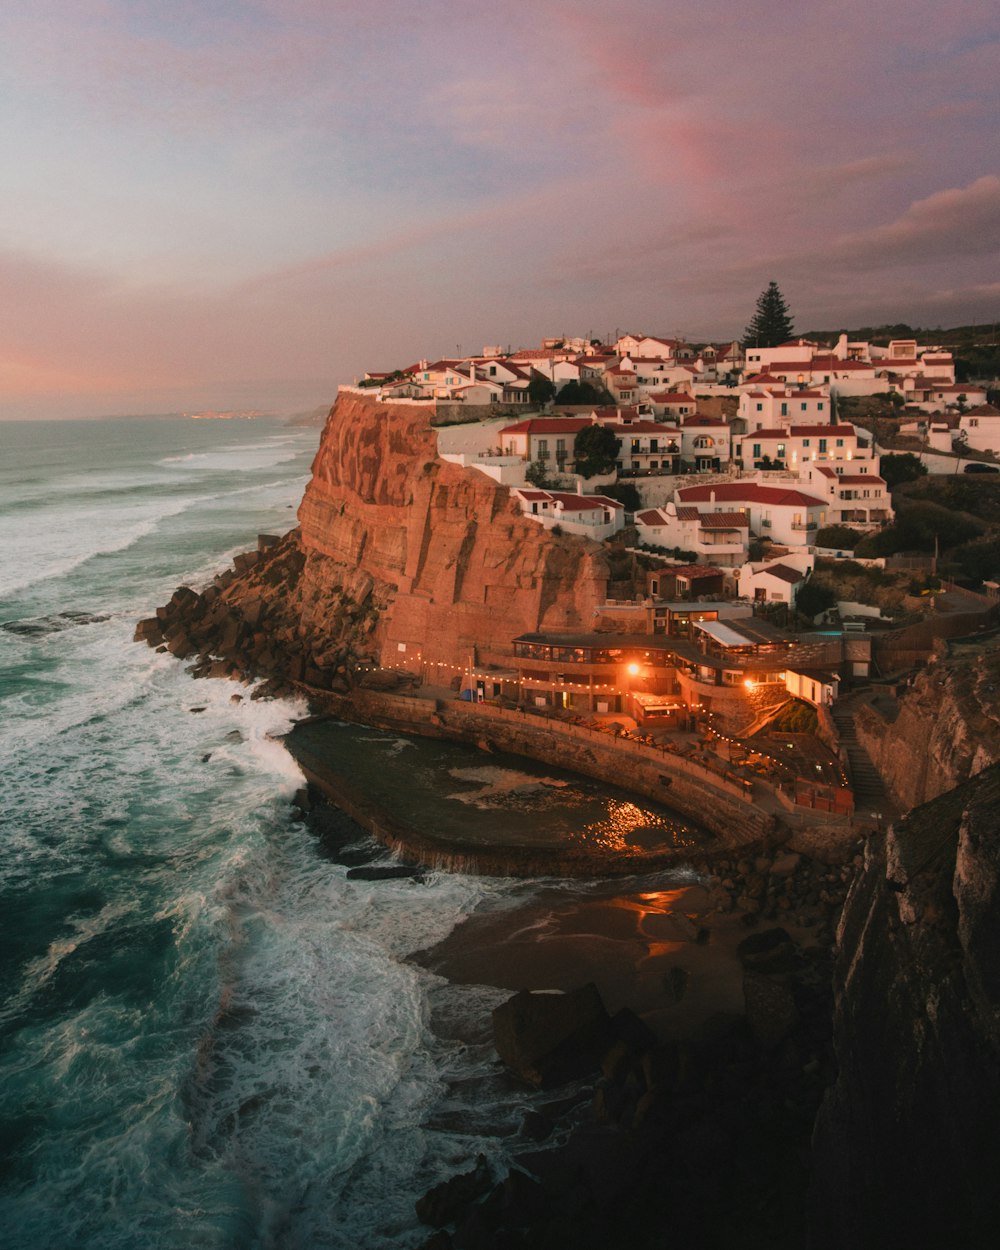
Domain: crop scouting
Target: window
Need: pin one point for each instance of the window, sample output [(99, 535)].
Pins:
[(819, 407), (822, 444), (804, 406), (756, 451), (493, 371), (784, 410), (840, 442), (760, 407), (543, 449), (781, 451), (653, 445), (805, 442)]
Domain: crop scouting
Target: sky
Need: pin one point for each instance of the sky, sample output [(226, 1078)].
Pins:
[(243, 203)]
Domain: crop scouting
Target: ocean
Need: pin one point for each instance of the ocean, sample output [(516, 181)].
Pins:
[(209, 1036)]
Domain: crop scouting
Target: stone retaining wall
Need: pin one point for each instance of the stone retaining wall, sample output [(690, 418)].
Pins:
[(697, 792)]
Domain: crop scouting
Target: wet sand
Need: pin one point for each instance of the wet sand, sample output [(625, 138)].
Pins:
[(668, 954)]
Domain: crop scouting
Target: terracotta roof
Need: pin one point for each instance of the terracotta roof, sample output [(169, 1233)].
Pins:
[(748, 492), (860, 477), (548, 425), (653, 516), (532, 494), (724, 520), (697, 420), (688, 514), (823, 431), (674, 397)]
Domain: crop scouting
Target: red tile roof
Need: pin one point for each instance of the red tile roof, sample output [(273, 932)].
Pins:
[(724, 520), (548, 425), (747, 492)]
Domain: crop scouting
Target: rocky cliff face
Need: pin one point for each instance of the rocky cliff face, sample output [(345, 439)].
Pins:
[(906, 1147), (945, 729), (401, 560)]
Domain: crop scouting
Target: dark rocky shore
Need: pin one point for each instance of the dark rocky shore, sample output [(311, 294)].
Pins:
[(662, 1123), (849, 1104)]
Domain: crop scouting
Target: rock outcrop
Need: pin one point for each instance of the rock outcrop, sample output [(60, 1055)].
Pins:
[(402, 560), (906, 1149), (945, 729)]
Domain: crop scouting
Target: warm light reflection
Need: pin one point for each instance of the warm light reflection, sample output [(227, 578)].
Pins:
[(619, 830)]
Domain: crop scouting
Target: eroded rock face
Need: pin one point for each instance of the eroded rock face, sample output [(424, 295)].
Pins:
[(446, 545), (947, 727), (906, 1146), (402, 560)]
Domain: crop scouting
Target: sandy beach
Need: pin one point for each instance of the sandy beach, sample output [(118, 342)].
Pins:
[(668, 954)]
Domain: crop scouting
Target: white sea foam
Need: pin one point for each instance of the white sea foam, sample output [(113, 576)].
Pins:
[(212, 1036)]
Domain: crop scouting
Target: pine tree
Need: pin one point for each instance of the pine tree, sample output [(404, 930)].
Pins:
[(771, 324)]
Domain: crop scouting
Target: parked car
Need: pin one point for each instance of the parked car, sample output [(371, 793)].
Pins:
[(981, 468)]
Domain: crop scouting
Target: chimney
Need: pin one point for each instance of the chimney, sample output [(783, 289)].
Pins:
[(711, 496)]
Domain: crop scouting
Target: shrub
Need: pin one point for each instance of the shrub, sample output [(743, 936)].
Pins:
[(840, 536)]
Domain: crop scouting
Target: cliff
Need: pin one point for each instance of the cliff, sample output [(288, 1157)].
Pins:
[(945, 729), (906, 1149), (401, 560)]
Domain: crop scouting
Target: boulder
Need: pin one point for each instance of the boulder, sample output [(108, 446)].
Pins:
[(149, 631), (549, 1039)]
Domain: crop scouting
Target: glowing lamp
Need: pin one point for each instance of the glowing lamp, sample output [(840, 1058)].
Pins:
[(748, 682), (633, 669)]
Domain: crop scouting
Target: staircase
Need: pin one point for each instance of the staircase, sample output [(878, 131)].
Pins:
[(869, 793)]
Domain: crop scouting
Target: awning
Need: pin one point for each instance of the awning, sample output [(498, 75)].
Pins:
[(723, 634)]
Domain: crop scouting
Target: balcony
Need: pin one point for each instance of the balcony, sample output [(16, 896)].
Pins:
[(805, 525)]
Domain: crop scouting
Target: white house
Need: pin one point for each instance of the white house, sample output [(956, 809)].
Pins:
[(647, 447), (796, 446), (548, 439), (860, 500), (590, 516), (718, 538), (772, 582), (980, 427), (674, 404), (774, 407), (649, 346), (848, 368), (786, 516), (923, 394), (705, 442)]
